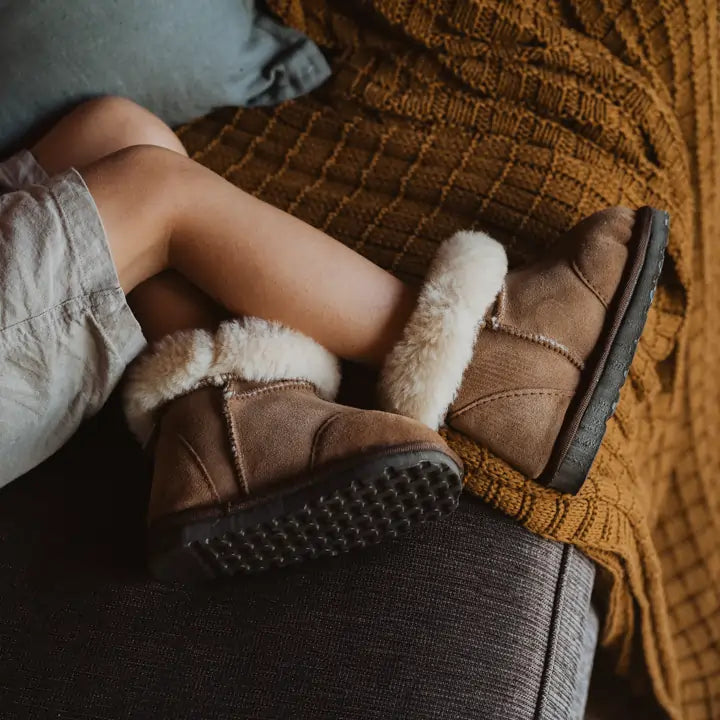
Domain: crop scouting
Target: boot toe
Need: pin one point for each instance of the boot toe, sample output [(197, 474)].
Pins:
[(601, 250), (615, 223), (350, 434)]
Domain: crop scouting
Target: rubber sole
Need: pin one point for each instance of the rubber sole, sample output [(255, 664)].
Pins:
[(580, 438), (352, 507)]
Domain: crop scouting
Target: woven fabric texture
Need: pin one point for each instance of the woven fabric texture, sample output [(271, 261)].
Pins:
[(522, 118)]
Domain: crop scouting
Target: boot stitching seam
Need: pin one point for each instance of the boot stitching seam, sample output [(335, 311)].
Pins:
[(504, 395), (240, 471), (589, 285), (281, 385), (318, 434), (205, 474), (545, 341)]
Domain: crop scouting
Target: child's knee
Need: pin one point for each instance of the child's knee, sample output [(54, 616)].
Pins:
[(146, 164), (134, 124)]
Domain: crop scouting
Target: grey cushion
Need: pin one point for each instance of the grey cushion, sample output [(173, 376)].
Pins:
[(572, 641), (466, 619), (180, 59)]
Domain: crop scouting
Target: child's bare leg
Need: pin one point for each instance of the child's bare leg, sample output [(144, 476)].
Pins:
[(98, 128), (163, 210), (166, 302)]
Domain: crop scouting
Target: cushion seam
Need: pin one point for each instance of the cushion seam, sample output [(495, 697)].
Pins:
[(552, 634)]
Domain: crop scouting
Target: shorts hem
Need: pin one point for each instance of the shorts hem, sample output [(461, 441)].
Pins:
[(91, 256)]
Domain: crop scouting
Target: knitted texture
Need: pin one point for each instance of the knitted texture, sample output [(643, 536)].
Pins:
[(521, 119)]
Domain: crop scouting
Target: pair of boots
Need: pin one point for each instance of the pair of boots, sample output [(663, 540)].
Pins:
[(255, 465)]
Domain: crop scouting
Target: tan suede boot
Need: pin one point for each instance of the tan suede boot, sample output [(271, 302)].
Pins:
[(538, 382), (254, 465)]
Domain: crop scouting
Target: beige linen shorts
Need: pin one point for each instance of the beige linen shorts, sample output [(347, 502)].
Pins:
[(66, 331)]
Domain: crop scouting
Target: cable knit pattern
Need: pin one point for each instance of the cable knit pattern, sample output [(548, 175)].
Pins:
[(520, 119)]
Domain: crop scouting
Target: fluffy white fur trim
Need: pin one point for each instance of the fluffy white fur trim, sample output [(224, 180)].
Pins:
[(253, 349), (423, 372)]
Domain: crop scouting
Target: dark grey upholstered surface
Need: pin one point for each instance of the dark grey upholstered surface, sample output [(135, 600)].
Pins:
[(586, 659), (571, 643), (470, 618)]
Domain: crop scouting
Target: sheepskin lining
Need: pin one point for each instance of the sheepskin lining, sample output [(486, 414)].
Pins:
[(423, 372), (253, 349)]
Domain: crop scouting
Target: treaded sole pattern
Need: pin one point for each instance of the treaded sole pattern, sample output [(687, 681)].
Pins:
[(575, 466), (361, 513)]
